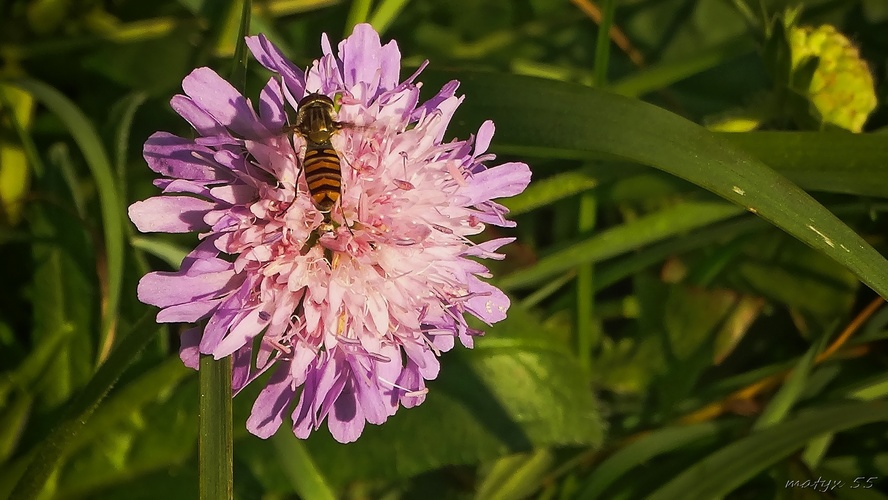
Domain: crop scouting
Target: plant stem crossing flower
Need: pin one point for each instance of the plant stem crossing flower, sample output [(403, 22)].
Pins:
[(349, 309)]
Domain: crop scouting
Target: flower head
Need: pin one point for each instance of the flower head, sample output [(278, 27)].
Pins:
[(353, 305)]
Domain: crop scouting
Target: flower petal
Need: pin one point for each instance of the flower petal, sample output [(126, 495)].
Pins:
[(501, 181), (164, 289), (170, 214), (268, 410), (174, 156), (223, 102), (188, 348)]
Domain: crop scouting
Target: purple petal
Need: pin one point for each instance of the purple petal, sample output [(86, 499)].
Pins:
[(170, 214), (269, 56), (202, 121), (268, 410), (189, 312), (411, 379), (489, 304), (446, 92), (501, 181), (271, 106), (303, 421), (487, 249), (361, 55), (164, 289), (485, 134), (218, 98), (188, 348), (346, 421), (241, 364), (241, 333), (174, 156)]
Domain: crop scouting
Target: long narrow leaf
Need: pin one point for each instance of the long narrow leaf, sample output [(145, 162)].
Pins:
[(733, 465), (88, 141), (577, 121)]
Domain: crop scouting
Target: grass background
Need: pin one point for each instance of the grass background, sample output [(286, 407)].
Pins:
[(696, 314)]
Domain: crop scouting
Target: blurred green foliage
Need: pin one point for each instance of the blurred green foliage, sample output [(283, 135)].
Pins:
[(717, 356)]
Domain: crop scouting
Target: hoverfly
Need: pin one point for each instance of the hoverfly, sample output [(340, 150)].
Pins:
[(322, 165)]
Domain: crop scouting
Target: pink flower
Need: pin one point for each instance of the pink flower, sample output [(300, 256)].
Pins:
[(354, 310)]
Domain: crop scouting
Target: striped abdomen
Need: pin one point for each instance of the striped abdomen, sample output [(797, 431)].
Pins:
[(323, 173)]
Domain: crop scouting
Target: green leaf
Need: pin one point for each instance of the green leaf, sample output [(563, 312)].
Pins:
[(157, 436), (516, 476), (835, 162), (649, 446), (53, 447), (386, 12), (616, 240), (112, 209), (592, 123), (13, 418), (736, 463), (300, 468), (782, 402), (541, 193), (516, 391), (666, 73)]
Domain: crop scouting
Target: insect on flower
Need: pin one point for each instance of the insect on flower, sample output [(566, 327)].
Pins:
[(321, 163), (351, 340)]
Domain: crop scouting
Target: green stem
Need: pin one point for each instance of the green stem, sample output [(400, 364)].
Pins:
[(602, 43), (215, 450)]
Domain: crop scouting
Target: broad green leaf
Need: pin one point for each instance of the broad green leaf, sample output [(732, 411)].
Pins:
[(42, 462), (692, 318), (111, 206), (653, 444), (785, 271), (736, 463), (836, 162), (515, 391), (157, 436), (64, 297), (623, 238), (575, 121), (126, 401)]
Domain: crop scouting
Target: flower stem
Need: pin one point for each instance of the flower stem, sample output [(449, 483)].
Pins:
[(215, 449)]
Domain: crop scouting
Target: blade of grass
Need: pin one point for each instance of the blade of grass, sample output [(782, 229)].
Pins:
[(662, 75), (359, 13), (215, 450), (386, 12), (782, 402), (111, 207), (301, 471), (620, 239), (644, 449), (736, 463)]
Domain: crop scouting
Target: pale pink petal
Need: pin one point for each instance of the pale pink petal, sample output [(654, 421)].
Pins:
[(170, 214)]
